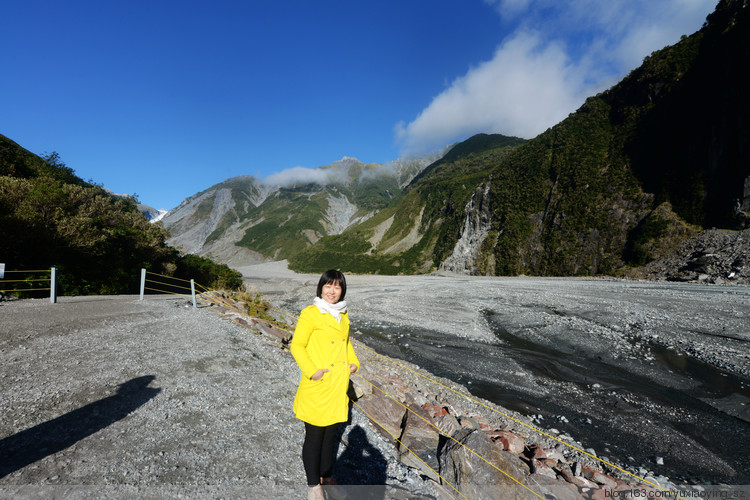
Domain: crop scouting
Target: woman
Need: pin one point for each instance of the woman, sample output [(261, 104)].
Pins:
[(325, 356)]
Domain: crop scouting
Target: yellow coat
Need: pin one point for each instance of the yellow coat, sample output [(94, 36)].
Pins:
[(319, 341)]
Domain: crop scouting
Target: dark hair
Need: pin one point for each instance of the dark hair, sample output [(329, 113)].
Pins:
[(332, 276)]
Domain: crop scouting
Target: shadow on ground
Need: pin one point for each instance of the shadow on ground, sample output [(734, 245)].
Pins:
[(35, 443)]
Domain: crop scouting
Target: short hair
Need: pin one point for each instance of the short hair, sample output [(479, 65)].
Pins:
[(332, 276)]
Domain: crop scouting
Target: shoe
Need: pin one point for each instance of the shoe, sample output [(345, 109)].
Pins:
[(315, 493), (332, 489)]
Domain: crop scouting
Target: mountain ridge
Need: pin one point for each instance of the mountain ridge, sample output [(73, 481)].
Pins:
[(244, 220), (613, 186), (634, 172)]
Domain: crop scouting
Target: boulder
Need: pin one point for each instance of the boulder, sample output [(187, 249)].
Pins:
[(386, 413), (510, 442), (474, 477), (579, 481), (598, 477), (360, 386), (419, 442), (448, 424)]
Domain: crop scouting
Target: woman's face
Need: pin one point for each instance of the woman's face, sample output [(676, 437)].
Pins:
[(331, 292)]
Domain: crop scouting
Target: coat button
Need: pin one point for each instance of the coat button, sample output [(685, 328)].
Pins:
[(331, 365), (332, 342)]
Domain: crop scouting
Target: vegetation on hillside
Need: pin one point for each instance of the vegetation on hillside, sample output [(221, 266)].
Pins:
[(98, 241), (434, 202), (628, 176)]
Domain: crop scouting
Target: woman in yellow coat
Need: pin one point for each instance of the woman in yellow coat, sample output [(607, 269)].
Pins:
[(326, 358)]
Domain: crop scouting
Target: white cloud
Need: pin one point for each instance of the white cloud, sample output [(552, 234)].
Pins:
[(298, 175), (527, 86), (336, 172), (557, 54)]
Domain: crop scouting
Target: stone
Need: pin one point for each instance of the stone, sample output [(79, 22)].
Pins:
[(577, 469), (510, 442), (361, 387), (388, 414), (468, 423), (579, 481), (598, 477), (434, 410), (420, 438), (273, 332), (474, 477), (448, 424), (542, 469)]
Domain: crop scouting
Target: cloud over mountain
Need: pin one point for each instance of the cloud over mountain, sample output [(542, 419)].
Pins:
[(559, 53)]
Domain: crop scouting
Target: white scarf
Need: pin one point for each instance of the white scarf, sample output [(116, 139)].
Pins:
[(335, 310)]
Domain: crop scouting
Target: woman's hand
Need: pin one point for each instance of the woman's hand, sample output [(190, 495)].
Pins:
[(352, 368), (318, 374)]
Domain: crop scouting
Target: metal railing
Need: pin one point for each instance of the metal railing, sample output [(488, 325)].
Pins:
[(168, 287), (29, 279)]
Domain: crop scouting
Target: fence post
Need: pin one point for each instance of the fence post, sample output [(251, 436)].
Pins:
[(143, 282), (192, 291), (53, 286)]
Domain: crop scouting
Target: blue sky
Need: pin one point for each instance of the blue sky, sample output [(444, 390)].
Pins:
[(165, 98)]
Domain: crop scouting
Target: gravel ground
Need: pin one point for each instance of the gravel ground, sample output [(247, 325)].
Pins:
[(652, 375), (113, 397)]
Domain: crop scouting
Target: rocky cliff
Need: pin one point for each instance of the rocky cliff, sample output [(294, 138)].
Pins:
[(632, 174), (243, 220)]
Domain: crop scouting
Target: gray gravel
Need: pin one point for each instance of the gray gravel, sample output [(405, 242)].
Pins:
[(112, 397), (655, 376)]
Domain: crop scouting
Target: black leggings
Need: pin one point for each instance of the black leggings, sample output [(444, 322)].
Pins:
[(317, 451)]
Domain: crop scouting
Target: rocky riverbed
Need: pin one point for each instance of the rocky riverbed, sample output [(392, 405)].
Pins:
[(653, 375), (113, 397)]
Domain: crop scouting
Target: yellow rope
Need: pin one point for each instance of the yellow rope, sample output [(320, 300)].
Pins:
[(519, 421), (491, 409), (409, 450), (165, 276), (34, 271), (24, 281), (25, 290), (168, 284), (453, 439), (164, 291)]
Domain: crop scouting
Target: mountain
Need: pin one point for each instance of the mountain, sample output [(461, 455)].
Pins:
[(98, 241), (152, 214), (243, 220), (623, 181), (415, 230)]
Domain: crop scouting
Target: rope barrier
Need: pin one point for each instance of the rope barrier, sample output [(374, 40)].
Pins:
[(519, 421), (27, 280), (24, 281), (32, 271), (168, 284), (24, 290), (165, 276), (409, 450), (164, 291), (453, 439)]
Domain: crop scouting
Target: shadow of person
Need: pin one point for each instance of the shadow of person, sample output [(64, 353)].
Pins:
[(28, 446), (361, 463)]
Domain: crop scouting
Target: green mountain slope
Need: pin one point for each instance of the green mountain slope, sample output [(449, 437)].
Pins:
[(634, 172), (419, 227), (243, 220), (98, 241)]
